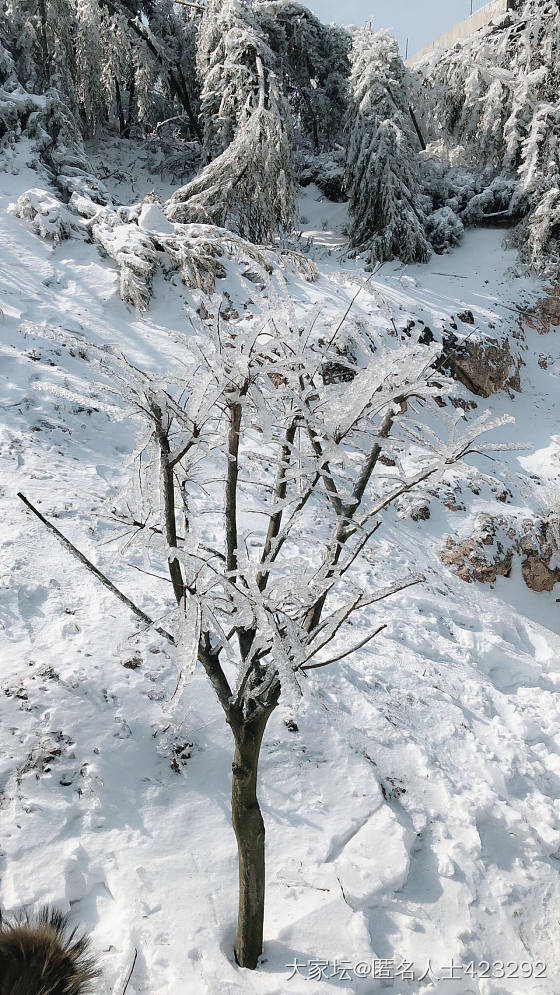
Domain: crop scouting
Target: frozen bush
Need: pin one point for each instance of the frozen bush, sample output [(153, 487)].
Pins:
[(444, 230)]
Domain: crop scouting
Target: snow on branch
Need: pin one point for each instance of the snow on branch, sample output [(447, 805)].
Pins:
[(248, 188), (493, 98), (383, 170), (245, 491), (140, 239)]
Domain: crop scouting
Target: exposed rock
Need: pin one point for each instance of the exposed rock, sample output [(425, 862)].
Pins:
[(540, 544), (472, 558), (461, 402), (452, 505), (538, 575), (489, 552), (546, 315), (482, 367), (420, 513), (333, 372), (341, 370), (426, 336)]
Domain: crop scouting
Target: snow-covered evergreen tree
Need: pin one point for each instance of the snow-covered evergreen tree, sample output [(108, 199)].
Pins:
[(105, 66), (27, 42), (61, 20), (314, 66), (496, 95), (248, 183), (41, 42), (382, 154), (249, 188), (6, 62), (114, 61), (169, 86), (231, 45), (89, 58)]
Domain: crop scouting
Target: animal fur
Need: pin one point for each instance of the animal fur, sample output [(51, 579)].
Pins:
[(41, 955)]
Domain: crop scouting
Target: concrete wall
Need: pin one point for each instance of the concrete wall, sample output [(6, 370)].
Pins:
[(465, 28)]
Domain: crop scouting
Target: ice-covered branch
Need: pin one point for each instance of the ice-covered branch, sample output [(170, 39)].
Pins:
[(75, 552)]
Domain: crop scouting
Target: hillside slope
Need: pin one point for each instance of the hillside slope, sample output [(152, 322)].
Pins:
[(414, 813)]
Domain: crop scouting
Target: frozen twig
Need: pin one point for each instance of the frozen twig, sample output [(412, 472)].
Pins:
[(341, 656), (95, 571)]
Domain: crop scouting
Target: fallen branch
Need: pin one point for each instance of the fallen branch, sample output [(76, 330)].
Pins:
[(94, 570), (168, 120), (131, 970)]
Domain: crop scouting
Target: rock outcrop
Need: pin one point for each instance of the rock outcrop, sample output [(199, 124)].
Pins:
[(489, 552), (546, 315), (482, 367)]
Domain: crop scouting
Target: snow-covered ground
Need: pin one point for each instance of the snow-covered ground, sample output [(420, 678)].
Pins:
[(414, 814)]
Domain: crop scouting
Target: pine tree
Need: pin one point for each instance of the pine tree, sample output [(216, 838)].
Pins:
[(174, 29), (314, 67), (6, 61), (248, 184), (231, 45), (496, 95), (382, 158), (250, 187), (41, 44), (89, 58)]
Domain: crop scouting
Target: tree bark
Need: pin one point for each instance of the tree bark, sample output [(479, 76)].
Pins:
[(168, 491), (249, 830), (120, 111)]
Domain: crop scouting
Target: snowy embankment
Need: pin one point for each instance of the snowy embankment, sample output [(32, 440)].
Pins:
[(414, 813)]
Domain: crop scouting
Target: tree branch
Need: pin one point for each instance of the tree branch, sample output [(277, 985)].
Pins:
[(275, 521), (371, 461), (339, 617), (353, 649), (330, 485), (313, 615), (168, 491), (211, 663), (94, 570), (232, 473), (130, 973), (381, 505), (340, 622), (183, 452), (281, 539)]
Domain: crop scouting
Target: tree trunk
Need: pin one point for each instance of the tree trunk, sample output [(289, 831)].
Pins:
[(43, 40), (248, 826), (120, 111), (131, 103), (168, 491)]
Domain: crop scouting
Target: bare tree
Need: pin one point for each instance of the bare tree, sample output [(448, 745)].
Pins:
[(257, 485)]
